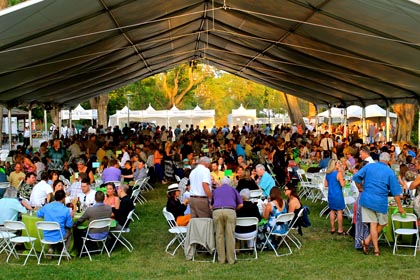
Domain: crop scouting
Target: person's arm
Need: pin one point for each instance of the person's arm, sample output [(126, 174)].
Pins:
[(415, 183), (266, 210), (340, 178), (206, 188)]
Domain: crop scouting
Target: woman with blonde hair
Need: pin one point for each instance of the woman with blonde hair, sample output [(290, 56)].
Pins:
[(334, 181)]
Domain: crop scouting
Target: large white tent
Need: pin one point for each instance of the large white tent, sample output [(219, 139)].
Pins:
[(171, 117), (241, 115), (354, 111), (79, 113)]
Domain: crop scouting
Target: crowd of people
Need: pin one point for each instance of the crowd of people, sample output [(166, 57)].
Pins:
[(211, 159)]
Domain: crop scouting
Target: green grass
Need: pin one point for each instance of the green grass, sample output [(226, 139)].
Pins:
[(323, 256)]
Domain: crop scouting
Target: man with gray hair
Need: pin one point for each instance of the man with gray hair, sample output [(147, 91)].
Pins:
[(377, 180), (200, 189), (10, 206), (265, 181)]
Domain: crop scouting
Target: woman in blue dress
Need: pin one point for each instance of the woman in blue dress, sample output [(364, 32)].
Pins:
[(335, 182), (275, 207)]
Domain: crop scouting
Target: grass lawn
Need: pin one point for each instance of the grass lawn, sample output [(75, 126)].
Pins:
[(323, 256)]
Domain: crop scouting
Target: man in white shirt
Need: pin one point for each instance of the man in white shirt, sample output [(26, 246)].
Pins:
[(41, 193), (326, 143), (87, 197), (200, 192)]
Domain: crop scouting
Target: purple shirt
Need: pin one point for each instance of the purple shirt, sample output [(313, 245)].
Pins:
[(111, 174), (225, 196)]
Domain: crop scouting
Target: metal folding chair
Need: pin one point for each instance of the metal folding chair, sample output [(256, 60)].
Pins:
[(25, 238), (118, 234), (103, 224), (51, 226)]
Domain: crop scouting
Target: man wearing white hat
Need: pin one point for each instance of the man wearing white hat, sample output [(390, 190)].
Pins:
[(200, 182)]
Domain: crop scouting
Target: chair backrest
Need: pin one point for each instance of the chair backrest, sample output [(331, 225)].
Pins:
[(285, 218), (255, 193), (135, 194), (15, 226), (129, 217), (169, 218), (409, 217), (298, 217), (247, 221), (177, 178), (139, 183), (100, 223), (48, 226)]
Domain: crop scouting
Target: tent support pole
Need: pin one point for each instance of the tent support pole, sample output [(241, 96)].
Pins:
[(418, 141), (30, 125), (344, 121), (59, 123), (329, 118), (45, 126), (363, 124), (387, 124), (9, 120)]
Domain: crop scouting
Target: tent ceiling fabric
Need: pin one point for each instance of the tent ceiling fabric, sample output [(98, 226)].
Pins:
[(325, 51)]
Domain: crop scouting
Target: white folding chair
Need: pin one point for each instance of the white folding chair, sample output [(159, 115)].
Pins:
[(118, 234), (5, 245), (293, 227), (283, 218), (407, 226), (254, 195), (177, 178), (104, 225), (247, 222), (51, 226), (19, 226), (178, 231)]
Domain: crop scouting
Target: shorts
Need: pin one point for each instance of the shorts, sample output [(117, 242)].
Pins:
[(370, 216)]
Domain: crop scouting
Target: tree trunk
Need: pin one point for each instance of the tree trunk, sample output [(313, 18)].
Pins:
[(312, 110), (54, 113), (293, 109), (405, 113), (101, 104), (1, 125), (3, 4)]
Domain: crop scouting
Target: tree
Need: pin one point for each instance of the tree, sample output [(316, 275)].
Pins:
[(179, 81), (405, 114), (293, 109), (101, 104)]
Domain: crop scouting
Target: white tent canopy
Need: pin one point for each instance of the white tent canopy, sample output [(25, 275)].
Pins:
[(171, 117), (79, 113), (241, 115), (354, 111)]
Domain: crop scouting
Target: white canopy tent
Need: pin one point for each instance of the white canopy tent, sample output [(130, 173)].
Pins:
[(354, 111), (171, 117), (241, 115), (79, 113)]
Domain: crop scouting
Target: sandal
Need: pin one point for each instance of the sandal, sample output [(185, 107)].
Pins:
[(365, 248), (332, 231), (341, 233), (376, 253)]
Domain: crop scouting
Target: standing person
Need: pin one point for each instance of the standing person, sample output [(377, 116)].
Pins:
[(57, 212), (26, 136), (334, 181), (55, 156), (225, 202), (200, 192), (377, 180)]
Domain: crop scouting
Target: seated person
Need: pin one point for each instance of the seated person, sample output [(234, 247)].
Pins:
[(10, 206), (56, 211), (41, 193), (126, 205), (127, 172), (76, 188), (98, 211), (87, 197), (175, 206), (112, 173), (275, 207), (293, 202), (246, 181), (249, 209), (140, 172), (112, 198), (324, 162)]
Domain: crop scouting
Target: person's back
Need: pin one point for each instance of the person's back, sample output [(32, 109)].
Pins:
[(111, 173), (126, 205), (10, 206), (56, 212)]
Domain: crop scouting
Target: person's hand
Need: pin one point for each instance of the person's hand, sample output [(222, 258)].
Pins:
[(186, 201), (402, 212)]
